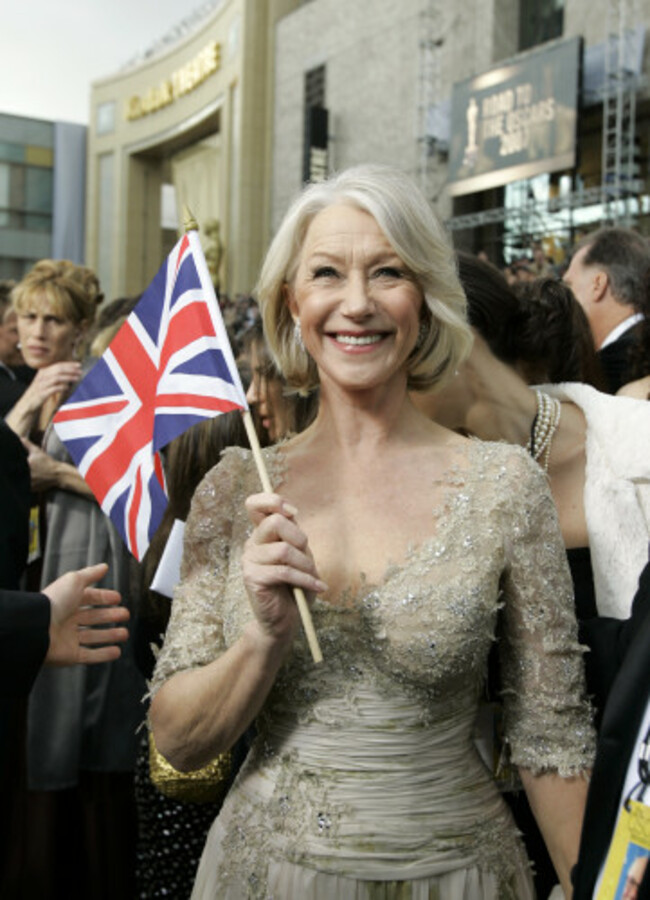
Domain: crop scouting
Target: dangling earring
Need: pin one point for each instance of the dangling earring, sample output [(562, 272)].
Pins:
[(297, 334)]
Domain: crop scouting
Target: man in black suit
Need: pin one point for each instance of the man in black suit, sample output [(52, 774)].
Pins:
[(70, 622), (618, 744), (609, 274)]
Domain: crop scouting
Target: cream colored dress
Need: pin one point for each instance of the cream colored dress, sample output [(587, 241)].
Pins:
[(364, 780)]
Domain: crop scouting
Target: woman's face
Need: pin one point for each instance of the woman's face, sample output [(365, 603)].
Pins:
[(45, 336), (358, 305), (266, 391)]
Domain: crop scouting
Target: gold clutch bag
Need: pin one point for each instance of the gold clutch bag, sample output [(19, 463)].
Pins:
[(206, 785)]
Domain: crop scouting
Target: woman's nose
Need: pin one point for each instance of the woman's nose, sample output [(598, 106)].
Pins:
[(357, 300), (38, 326), (253, 394)]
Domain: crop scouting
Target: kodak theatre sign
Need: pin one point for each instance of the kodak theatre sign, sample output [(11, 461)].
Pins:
[(181, 82)]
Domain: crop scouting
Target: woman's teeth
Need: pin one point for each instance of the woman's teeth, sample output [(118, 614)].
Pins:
[(358, 339)]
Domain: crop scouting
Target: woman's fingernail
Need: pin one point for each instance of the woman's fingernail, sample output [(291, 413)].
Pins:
[(289, 509), (321, 586)]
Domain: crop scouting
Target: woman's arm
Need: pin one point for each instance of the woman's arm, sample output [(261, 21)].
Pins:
[(47, 472), (47, 382), (558, 805), (201, 712)]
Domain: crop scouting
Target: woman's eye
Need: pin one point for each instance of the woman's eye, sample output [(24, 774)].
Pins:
[(388, 272), (325, 272)]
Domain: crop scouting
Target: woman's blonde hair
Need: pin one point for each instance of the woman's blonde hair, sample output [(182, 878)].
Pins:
[(72, 291), (416, 235)]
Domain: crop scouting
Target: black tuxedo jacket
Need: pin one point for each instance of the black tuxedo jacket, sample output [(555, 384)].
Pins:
[(14, 507), (24, 639), (622, 718), (615, 359)]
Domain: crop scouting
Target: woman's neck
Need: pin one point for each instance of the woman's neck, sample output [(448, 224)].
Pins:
[(360, 422)]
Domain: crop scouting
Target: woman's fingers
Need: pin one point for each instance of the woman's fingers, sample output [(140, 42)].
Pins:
[(56, 377), (259, 506), (264, 577), (277, 558)]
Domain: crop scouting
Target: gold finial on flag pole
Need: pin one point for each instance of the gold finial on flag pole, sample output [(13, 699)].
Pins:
[(189, 222)]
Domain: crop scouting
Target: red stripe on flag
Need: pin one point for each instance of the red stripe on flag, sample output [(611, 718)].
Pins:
[(158, 469), (126, 443), (195, 401), (185, 243), (143, 376), (69, 414), (133, 514), (185, 326)]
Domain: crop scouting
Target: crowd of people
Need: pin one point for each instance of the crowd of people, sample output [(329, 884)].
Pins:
[(460, 486)]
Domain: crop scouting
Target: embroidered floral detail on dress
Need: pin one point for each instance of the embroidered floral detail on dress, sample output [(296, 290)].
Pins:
[(365, 766)]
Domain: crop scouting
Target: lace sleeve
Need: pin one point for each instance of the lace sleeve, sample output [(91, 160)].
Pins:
[(194, 636), (547, 718)]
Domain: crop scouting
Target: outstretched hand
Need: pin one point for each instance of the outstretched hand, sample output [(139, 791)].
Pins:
[(277, 558), (85, 621)]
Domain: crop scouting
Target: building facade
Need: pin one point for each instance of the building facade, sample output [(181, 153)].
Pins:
[(386, 74), (187, 126), (42, 192)]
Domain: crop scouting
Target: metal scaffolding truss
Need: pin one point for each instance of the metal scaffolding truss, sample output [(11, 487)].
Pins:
[(429, 92), (524, 214), (619, 113)]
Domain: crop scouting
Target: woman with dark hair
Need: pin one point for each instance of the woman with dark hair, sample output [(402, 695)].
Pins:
[(555, 343), (588, 442), (166, 823), (172, 830), (278, 411)]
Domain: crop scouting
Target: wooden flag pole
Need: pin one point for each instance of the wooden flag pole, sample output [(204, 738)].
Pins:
[(298, 593), (190, 224)]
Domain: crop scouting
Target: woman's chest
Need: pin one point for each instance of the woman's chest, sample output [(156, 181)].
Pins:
[(429, 620)]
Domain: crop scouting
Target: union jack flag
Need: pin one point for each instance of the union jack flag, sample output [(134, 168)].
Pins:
[(169, 366)]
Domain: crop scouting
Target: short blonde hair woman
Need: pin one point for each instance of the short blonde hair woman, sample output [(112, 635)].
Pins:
[(414, 544)]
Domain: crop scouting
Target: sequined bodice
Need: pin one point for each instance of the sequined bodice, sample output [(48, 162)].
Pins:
[(366, 764)]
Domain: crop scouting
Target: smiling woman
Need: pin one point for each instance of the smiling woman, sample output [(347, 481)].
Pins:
[(414, 544)]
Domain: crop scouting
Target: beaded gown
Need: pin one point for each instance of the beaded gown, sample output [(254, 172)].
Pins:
[(364, 781)]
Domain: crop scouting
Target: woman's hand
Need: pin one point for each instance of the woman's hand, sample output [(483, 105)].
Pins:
[(47, 472), (42, 467), (277, 558), (50, 380)]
